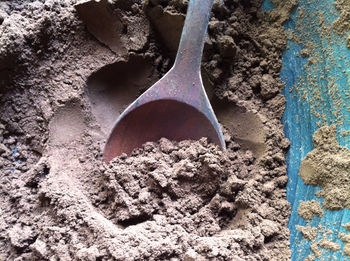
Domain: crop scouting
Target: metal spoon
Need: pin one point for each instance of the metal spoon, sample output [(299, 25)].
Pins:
[(176, 107)]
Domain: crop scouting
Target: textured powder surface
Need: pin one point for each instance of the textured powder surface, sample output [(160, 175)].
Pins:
[(328, 166), (313, 24), (345, 237), (342, 24), (327, 244), (310, 233), (309, 209), (327, 162), (63, 83)]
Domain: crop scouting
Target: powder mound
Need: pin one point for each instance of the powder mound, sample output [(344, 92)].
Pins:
[(179, 181), (167, 200), (61, 89), (310, 209), (327, 166)]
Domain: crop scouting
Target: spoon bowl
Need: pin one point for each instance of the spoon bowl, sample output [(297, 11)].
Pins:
[(176, 107)]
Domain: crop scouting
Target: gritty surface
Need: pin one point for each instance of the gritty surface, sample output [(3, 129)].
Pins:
[(342, 24), (345, 237), (310, 209), (315, 21), (326, 166), (63, 83)]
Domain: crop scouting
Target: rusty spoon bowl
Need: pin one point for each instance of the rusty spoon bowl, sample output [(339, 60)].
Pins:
[(176, 107)]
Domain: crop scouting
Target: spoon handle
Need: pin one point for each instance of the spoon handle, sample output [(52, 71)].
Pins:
[(189, 54)]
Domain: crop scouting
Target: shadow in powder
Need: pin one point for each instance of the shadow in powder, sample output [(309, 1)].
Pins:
[(112, 88)]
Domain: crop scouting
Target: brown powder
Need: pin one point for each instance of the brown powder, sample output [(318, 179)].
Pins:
[(327, 166), (310, 258), (346, 239), (342, 24), (347, 226), (328, 244), (328, 162), (64, 81), (310, 233), (309, 209)]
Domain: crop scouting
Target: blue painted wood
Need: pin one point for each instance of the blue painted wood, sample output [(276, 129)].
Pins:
[(299, 121)]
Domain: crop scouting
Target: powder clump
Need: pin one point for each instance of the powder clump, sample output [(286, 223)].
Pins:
[(346, 239), (342, 24), (310, 209), (327, 244), (328, 166)]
